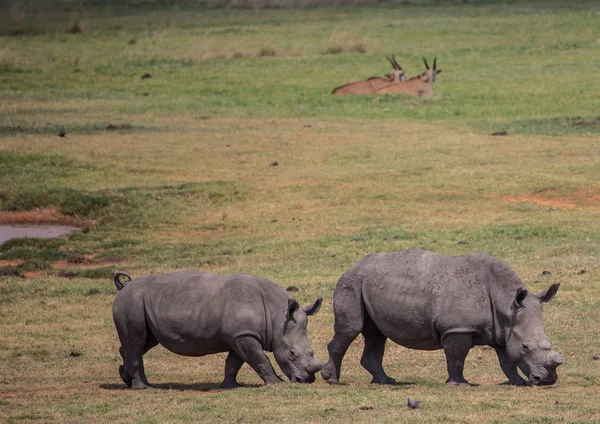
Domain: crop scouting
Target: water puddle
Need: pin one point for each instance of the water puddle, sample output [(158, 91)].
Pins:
[(8, 232)]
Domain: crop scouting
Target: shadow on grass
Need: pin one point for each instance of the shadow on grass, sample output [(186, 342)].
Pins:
[(196, 387)]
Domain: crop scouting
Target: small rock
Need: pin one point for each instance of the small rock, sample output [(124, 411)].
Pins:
[(273, 221), (132, 41), (274, 163), (556, 402), (329, 410), (358, 240), (76, 70), (146, 76), (112, 127), (546, 272), (249, 251), (307, 126), (480, 358), (145, 94), (293, 289), (73, 354), (596, 357), (463, 242), (62, 133), (365, 408), (500, 133), (583, 271), (227, 253), (396, 237)]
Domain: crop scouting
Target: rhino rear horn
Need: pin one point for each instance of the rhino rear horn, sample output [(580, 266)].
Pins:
[(520, 297), (548, 294)]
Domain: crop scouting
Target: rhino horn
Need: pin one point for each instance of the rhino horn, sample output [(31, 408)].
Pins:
[(556, 359)]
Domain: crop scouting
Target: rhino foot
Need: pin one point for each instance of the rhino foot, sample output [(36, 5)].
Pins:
[(124, 376), (385, 380), (226, 385), (328, 376), (463, 383)]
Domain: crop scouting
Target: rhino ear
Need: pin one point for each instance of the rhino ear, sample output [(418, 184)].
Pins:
[(548, 294), (292, 307), (314, 307), (520, 297)]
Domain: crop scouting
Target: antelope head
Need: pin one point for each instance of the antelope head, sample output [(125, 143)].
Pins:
[(398, 74), (430, 73)]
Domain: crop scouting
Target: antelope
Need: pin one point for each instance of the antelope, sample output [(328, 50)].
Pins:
[(369, 86), (416, 86)]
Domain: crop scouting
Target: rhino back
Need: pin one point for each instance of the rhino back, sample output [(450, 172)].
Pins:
[(196, 313), (416, 297)]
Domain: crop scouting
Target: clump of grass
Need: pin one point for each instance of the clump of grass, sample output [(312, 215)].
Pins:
[(334, 49), (267, 52), (358, 48), (75, 28), (34, 265)]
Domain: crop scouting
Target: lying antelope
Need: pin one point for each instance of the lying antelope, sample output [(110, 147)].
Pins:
[(369, 86), (421, 85)]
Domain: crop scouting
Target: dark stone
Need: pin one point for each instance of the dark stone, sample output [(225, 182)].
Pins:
[(293, 289), (546, 272), (146, 76)]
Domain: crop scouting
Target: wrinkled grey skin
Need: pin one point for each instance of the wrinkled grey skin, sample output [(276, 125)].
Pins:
[(427, 301), (195, 313)]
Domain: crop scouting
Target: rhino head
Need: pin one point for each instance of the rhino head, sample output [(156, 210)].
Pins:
[(293, 351), (528, 345)]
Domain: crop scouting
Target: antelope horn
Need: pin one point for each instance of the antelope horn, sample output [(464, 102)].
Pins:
[(426, 64), (392, 62), (397, 64), (434, 60)]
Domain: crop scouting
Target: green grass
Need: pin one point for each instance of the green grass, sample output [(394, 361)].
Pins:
[(186, 180)]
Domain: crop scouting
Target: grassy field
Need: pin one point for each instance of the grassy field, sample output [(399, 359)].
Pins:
[(234, 157)]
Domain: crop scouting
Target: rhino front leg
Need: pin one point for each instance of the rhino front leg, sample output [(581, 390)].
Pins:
[(251, 351), (456, 347), (508, 367), (372, 358), (233, 363)]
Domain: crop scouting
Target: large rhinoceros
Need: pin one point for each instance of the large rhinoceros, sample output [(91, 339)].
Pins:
[(198, 313), (427, 301)]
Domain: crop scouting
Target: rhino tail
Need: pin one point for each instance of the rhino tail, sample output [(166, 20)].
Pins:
[(116, 278)]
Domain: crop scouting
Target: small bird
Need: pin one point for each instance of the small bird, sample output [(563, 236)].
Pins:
[(412, 404), (62, 133)]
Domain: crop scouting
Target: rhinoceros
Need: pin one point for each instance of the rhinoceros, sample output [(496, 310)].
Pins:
[(427, 301), (196, 313)]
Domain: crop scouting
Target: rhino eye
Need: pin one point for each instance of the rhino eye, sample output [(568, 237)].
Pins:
[(525, 348), (293, 354)]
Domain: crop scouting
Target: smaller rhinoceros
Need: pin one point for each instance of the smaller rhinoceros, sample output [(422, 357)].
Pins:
[(428, 301), (195, 313)]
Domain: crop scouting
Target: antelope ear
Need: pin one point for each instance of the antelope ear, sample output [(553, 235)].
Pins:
[(438, 71)]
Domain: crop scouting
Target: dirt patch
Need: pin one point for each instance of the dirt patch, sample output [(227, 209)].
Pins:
[(87, 262), (559, 200), (586, 123), (42, 216), (11, 262)]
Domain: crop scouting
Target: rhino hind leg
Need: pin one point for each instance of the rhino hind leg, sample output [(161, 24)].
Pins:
[(233, 363), (456, 347), (509, 368), (372, 358), (132, 371), (249, 350)]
